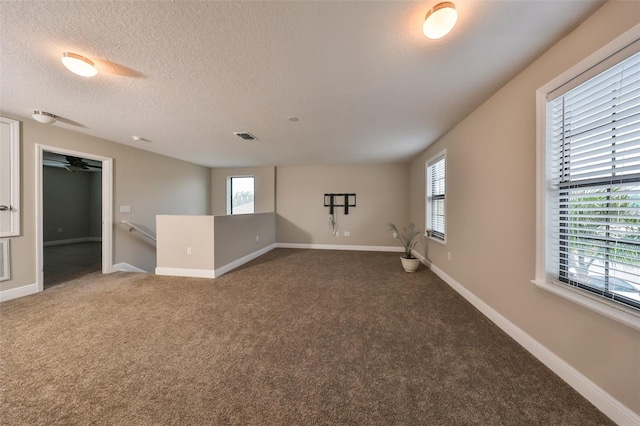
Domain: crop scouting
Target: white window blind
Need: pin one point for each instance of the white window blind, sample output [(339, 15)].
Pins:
[(436, 197), (594, 161)]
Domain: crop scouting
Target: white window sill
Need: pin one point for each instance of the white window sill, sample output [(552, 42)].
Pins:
[(438, 240), (610, 310)]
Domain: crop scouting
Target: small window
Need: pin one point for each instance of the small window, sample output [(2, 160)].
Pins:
[(436, 203), (240, 195)]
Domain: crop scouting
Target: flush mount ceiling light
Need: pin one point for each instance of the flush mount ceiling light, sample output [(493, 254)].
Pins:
[(44, 117), (440, 20), (79, 64)]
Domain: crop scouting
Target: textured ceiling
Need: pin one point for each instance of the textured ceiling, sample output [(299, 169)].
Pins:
[(366, 85)]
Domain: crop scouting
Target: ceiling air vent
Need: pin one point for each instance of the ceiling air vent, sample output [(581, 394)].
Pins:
[(245, 135)]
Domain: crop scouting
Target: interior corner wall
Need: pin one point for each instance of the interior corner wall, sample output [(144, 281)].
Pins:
[(382, 197), (264, 188), (491, 216), (150, 183)]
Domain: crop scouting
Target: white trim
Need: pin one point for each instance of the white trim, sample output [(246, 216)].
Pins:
[(14, 164), (427, 189), (338, 247), (542, 279), (184, 272), (594, 303), (422, 259), (594, 59), (6, 259), (72, 241), (125, 267), (237, 263), (107, 207), (606, 403), (14, 293), (230, 195), (208, 273)]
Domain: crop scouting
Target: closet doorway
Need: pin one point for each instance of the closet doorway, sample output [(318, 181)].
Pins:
[(74, 234)]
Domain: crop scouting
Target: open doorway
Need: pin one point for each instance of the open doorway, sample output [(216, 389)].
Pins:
[(71, 217), (74, 215)]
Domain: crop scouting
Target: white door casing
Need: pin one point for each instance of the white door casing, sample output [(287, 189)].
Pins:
[(107, 208), (9, 177)]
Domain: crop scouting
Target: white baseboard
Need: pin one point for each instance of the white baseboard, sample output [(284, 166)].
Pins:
[(606, 403), (422, 259), (14, 293), (207, 273), (184, 272), (338, 247), (236, 263), (125, 267), (72, 241)]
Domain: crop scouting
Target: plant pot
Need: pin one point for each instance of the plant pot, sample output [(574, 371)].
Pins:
[(410, 265)]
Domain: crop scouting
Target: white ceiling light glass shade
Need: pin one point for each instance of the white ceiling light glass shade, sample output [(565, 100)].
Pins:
[(440, 20), (44, 117), (79, 64)]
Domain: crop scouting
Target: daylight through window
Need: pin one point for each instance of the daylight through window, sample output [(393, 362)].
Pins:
[(593, 163), (436, 189), (241, 195)]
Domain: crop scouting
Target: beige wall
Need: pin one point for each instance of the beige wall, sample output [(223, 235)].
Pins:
[(382, 197), (178, 233), (241, 235), (214, 241), (491, 208), (265, 188), (152, 184)]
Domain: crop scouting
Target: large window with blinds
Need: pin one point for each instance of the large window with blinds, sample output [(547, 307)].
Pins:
[(593, 184), (436, 192)]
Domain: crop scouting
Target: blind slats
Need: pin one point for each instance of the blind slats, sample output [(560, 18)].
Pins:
[(436, 196), (595, 179)]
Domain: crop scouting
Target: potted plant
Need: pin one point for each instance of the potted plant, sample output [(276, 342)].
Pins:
[(407, 239)]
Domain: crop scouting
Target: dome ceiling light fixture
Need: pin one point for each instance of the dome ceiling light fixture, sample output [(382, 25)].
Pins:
[(44, 117), (440, 20), (79, 64)]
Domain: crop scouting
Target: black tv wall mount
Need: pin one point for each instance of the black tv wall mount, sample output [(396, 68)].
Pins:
[(339, 200)]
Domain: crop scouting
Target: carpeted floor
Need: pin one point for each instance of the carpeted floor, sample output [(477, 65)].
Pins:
[(67, 262), (296, 337)]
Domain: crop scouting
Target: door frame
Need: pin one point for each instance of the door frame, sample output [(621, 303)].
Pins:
[(107, 208)]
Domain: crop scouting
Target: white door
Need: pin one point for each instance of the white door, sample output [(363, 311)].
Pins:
[(9, 177)]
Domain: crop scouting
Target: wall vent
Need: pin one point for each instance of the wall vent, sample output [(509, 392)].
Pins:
[(245, 135), (4, 260)]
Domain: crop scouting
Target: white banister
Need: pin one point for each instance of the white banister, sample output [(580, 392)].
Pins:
[(133, 227)]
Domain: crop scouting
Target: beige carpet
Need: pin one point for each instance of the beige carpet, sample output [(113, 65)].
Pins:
[(70, 261), (296, 337)]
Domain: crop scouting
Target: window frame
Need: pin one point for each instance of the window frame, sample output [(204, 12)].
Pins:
[(442, 155), (544, 278), (230, 192)]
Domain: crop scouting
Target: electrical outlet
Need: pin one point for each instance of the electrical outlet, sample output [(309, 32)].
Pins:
[(395, 235), (59, 229), (449, 255), (347, 233), (257, 238), (189, 251)]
